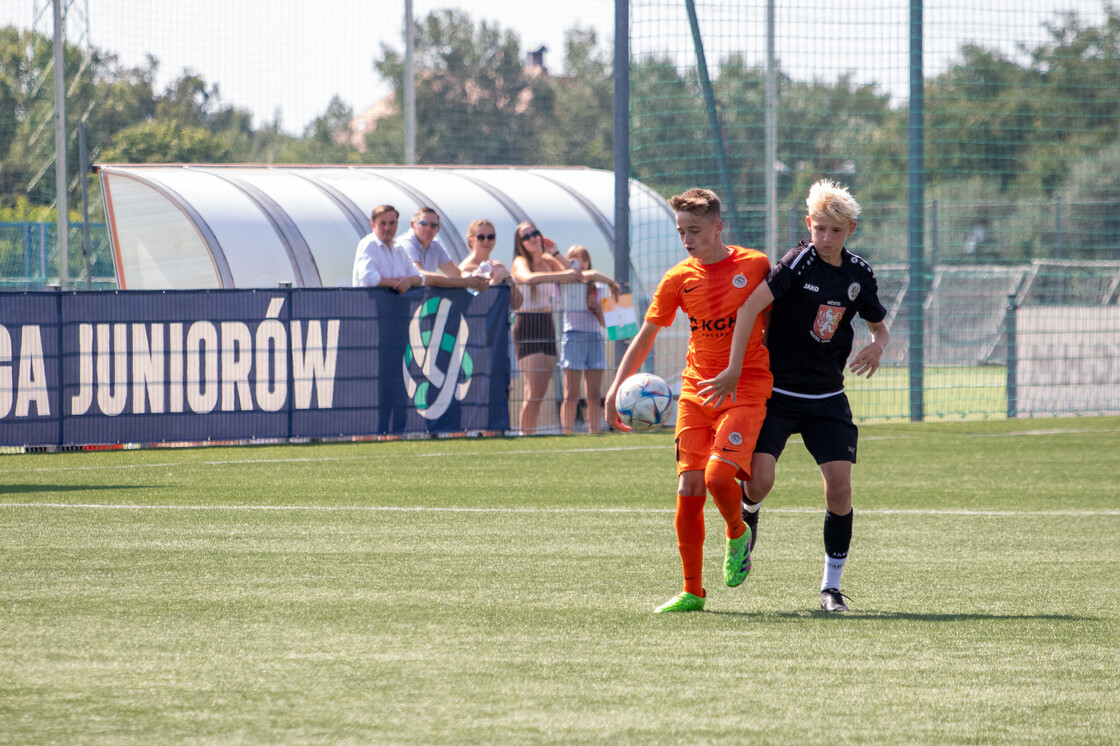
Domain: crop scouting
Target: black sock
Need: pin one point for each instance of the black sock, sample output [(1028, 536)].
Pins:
[(837, 534)]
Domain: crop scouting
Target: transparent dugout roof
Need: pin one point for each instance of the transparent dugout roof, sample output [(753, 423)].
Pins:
[(237, 226)]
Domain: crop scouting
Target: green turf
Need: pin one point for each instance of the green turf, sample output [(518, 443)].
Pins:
[(949, 393), (497, 591)]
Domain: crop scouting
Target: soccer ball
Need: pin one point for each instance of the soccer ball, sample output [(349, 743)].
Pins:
[(643, 401)]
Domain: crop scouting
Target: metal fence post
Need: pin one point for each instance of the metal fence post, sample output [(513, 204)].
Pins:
[(1012, 358)]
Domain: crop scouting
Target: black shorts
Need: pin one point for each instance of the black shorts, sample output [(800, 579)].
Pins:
[(533, 333), (825, 425)]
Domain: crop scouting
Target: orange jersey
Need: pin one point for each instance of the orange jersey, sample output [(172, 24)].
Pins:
[(711, 295)]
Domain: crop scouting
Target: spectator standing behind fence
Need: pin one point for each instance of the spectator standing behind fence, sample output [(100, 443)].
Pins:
[(480, 242), (583, 353), (429, 256), (378, 261), (534, 332)]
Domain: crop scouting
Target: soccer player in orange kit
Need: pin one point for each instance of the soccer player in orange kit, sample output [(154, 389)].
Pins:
[(714, 443)]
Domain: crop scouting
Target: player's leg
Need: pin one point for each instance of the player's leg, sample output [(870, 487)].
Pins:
[(782, 418), (831, 436), (837, 531), (754, 490), (689, 524), (571, 399), (693, 448), (719, 476), (736, 432)]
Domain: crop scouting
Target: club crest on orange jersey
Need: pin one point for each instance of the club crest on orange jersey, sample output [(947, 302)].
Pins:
[(828, 319)]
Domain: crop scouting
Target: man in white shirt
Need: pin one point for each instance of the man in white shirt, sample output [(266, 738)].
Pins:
[(431, 259), (379, 262)]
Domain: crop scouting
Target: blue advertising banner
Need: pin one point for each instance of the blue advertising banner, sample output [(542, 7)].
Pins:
[(30, 407), (82, 368)]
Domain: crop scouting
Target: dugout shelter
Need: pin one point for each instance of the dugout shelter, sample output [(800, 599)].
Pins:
[(180, 226)]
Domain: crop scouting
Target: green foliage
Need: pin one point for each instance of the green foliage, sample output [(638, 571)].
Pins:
[(475, 100), (1006, 132), (165, 142), (580, 131)]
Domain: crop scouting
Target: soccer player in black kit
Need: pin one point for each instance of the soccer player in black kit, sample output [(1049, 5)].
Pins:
[(816, 290)]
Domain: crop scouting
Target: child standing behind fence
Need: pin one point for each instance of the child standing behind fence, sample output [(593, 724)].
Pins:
[(583, 352)]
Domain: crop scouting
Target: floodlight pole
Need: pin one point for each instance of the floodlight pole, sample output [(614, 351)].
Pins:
[(60, 149), (409, 87), (771, 126), (622, 143), (916, 210)]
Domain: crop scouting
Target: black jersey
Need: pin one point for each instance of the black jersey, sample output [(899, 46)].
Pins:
[(810, 332)]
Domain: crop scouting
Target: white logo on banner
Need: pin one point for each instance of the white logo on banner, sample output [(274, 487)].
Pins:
[(427, 336)]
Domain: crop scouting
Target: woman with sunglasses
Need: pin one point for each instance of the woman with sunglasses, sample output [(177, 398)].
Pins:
[(481, 238), (534, 331)]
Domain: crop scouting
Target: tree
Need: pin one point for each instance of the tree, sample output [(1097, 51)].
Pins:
[(165, 142), (474, 100), (581, 131)]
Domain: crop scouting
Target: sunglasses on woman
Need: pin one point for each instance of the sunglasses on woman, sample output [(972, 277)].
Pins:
[(530, 235), (485, 236)]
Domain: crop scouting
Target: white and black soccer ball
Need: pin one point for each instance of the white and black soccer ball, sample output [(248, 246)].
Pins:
[(643, 401)]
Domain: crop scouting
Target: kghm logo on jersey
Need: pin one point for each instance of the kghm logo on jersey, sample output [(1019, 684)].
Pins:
[(827, 322), (436, 367)]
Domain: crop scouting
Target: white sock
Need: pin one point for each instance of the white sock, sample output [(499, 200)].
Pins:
[(833, 568), (751, 507)]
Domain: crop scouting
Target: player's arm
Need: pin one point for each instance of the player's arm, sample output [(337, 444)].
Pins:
[(867, 359), (723, 385), (632, 360)]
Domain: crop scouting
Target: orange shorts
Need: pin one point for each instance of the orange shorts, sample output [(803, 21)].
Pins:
[(728, 433)]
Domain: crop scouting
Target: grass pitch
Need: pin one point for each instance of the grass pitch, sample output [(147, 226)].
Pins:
[(486, 591)]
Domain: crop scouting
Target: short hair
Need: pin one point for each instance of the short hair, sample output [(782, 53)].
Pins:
[(700, 202), (575, 251), (381, 210), (829, 199), (422, 211)]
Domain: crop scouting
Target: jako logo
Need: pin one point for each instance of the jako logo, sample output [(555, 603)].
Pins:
[(430, 344)]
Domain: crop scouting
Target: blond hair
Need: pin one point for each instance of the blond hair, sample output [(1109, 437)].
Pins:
[(829, 199)]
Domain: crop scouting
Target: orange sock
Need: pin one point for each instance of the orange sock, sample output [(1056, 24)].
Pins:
[(690, 541), (719, 477)]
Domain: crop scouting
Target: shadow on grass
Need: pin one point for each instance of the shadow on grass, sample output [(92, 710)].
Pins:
[(851, 617), (31, 489)]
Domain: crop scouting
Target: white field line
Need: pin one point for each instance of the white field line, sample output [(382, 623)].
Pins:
[(426, 509), (475, 454), (326, 459)]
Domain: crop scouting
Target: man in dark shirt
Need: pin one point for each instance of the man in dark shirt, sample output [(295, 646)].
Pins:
[(816, 290)]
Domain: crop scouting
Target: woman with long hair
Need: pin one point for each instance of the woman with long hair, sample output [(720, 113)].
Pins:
[(537, 271)]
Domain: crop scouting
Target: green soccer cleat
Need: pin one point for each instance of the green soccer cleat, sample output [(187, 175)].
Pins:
[(737, 561), (682, 602)]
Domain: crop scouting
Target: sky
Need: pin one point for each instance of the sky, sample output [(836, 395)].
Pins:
[(290, 56), (285, 59)]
